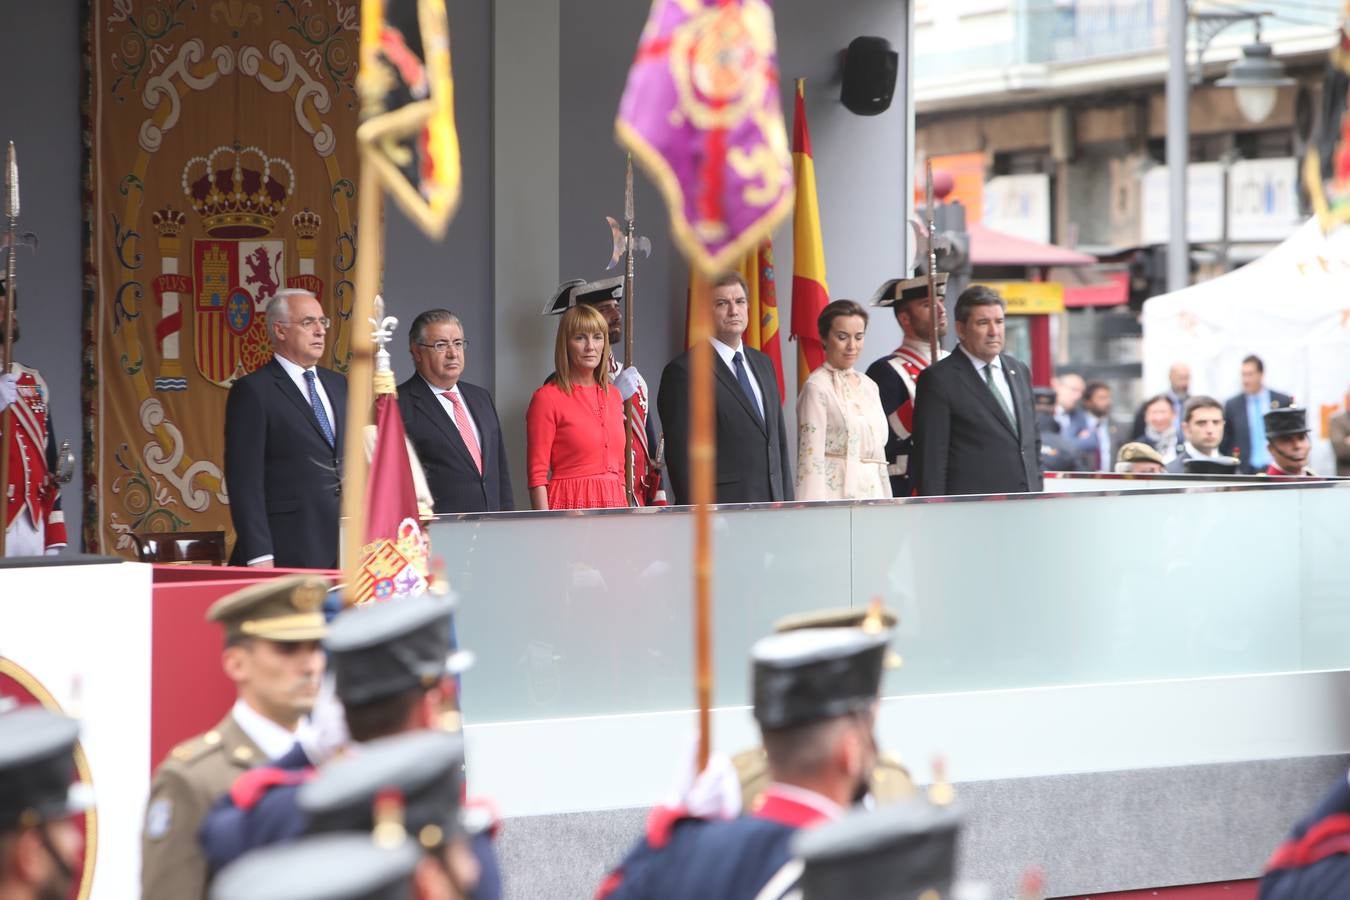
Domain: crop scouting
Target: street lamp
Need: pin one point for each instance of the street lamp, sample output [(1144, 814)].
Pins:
[(1257, 76), (1256, 79)]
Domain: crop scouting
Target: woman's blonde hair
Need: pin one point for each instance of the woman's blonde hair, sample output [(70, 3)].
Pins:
[(580, 319)]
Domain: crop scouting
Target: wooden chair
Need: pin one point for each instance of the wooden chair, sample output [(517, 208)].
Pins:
[(201, 548)]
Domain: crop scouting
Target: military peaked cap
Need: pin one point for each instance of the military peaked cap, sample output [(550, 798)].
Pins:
[(1286, 421), (278, 609), (325, 867), (816, 673), (425, 767), (37, 764), (383, 649), (904, 851)]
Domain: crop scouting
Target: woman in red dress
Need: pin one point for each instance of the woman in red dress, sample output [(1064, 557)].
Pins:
[(574, 426)]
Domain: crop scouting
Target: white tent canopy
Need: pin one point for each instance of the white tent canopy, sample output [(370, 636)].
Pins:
[(1291, 307)]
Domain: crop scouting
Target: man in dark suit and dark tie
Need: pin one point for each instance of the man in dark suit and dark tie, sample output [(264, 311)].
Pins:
[(283, 444), (974, 423), (452, 424), (752, 451), (1244, 434)]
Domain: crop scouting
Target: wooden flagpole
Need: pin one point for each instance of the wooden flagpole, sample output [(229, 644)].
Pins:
[(702, 467), (361, 368)]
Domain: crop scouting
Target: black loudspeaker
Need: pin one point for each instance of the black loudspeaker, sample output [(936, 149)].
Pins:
[(870, 67)]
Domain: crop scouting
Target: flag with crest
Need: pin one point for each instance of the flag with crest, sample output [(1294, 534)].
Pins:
[(702, 115)]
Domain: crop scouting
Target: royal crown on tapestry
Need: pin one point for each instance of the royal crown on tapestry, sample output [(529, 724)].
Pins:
[(237, 191)]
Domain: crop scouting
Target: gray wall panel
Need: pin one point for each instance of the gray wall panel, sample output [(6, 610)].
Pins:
[(40, 68), (1090, 833), (457, 272)]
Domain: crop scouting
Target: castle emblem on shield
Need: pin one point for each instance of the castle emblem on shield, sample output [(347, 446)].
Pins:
[(239, 194)]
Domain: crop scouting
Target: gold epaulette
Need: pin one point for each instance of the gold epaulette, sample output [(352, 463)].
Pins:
[(193, 749)]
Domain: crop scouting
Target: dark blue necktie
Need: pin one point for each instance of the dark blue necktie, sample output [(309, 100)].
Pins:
[(317, 405), (744, 378)]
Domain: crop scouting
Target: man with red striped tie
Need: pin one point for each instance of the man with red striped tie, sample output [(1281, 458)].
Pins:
[(452, 424)]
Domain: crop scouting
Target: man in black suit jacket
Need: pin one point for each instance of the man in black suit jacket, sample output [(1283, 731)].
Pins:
[(752, 450), (283, 445), (974, 422), (465, 475), (1244, 436)]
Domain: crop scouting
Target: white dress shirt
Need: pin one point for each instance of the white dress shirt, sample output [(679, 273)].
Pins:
[(726, 353), (449, 408), (271, 738), (297, 373), (1000, 378)]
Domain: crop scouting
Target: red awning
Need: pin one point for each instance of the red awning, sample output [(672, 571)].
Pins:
[(1113, 291), (996, 248)]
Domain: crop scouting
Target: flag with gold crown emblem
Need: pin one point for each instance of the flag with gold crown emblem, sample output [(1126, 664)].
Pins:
[(701, 114), (395, 559), (408, 108)]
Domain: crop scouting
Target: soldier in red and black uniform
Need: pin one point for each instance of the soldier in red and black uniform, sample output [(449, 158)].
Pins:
[(815, 699), (896, 375), (1287, 441), (34, 522), (606, 296)]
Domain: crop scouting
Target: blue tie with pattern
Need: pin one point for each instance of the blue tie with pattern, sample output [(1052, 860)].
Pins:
[(317, 405), (744, 378)]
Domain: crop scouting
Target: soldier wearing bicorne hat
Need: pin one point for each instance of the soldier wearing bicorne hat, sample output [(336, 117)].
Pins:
[(816, 694), (39, 844), (1287, 441), (272, 654), (606, 296), (897, 375)]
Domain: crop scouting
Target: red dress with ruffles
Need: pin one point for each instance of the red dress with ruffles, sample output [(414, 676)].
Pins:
[(574, 445)]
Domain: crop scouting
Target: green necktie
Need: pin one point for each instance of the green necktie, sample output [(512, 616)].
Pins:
[(998, 395)]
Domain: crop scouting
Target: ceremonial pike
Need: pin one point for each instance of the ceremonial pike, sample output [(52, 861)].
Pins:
[(7, 350), (626, 246), (932, 263)]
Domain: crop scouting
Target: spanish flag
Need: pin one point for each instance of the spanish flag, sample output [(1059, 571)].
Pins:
[(762, 288), (810, 293)]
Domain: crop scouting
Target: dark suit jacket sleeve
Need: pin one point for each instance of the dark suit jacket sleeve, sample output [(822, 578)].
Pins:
[(1340, 430), (245, 443), (770, 387), (932, 434), (1231, 443), (672, 403)]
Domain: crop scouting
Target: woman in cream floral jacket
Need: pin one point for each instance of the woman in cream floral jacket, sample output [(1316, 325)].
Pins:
[(841, 441)]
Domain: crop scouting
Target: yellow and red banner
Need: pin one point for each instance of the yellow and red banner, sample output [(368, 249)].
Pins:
[(221, 168), (408, 115), (810, 293)]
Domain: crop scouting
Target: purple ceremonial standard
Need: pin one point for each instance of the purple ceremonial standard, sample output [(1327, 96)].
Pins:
[(702, 114)]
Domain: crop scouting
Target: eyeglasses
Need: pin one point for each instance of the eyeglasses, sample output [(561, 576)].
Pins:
[(442, 346), (311, 321)]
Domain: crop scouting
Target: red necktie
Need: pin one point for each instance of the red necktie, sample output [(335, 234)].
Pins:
[(465, 429)]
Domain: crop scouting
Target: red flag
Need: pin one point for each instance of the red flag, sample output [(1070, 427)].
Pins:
[(394, 559), (810, 293)]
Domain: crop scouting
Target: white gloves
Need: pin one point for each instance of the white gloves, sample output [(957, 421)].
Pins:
[(714, 793), (9, 389), (628, 381)]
